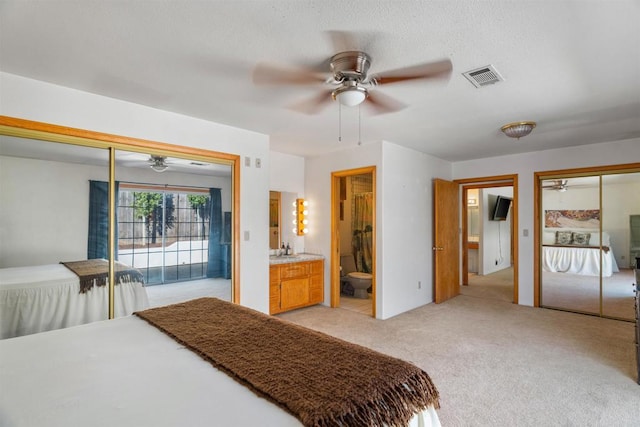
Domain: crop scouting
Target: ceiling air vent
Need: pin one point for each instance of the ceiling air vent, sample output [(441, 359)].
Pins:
[(483, 76)]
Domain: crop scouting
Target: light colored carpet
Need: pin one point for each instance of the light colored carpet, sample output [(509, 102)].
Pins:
[(572, 292), (498, 285), (582, 293), (500, 364)]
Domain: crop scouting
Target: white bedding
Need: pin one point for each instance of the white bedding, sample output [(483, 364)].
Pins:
[(125, 372), (578, 260), (46, 297)]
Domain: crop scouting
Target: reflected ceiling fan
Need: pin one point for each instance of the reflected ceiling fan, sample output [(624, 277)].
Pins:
[(348, 80), (158, 163), (558, 185)]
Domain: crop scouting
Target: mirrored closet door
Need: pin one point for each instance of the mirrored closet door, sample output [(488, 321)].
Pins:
[(174, 225), (48, 227), (585, 243), (91, 231)]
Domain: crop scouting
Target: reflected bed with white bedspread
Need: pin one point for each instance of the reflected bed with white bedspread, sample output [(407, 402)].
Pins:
[(47, 297), (577, 252)]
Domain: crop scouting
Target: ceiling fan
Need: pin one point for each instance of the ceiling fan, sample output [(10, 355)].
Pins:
[(558, 185), (348, 79), (158, 163)]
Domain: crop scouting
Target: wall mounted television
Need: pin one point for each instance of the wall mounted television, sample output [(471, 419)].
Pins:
[(501, 208)]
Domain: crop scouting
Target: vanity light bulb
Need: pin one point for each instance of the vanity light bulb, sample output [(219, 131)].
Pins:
[(305, 230), (305, 203), (294, 222), (293, 204), (294, 230), (293, 212), (305, 222), (305, 212)]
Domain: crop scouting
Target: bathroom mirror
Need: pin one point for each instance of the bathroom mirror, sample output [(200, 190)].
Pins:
[(274, 219), (281, 208)]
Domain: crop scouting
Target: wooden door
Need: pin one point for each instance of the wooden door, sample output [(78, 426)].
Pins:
[(446, 247)]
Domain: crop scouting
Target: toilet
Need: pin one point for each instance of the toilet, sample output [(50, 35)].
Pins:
[(360, 282)]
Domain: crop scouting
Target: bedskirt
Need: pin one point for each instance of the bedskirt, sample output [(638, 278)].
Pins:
[(47, 297), (576, 260)]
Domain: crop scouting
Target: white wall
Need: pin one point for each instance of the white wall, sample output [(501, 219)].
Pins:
[(525, 165), (406, 237), (286, 174), (495, 241), (40, 101), (32, 231), (404, 206)]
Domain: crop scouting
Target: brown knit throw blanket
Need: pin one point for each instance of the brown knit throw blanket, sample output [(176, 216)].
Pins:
[(321, 380), (96, 271)]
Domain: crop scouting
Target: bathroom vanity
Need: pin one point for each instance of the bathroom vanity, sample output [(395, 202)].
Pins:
[(295, 281)]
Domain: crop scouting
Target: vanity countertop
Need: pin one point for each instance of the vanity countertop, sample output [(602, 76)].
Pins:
[(286, 259)]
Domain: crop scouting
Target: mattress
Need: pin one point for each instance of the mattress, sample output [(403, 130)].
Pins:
[(46, 297), (126, 372)]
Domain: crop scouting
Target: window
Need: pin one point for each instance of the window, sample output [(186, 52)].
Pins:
[(164, 231)]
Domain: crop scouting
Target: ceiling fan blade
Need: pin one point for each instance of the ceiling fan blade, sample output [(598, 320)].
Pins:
[(313, 105), (432, 70), (265, 74), (382, 104)]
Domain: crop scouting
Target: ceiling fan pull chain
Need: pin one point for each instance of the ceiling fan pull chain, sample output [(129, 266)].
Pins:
[(339, 122), (359, 126)]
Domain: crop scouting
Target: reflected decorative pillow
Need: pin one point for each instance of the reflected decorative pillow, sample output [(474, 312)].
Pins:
[(581, 238), (563, 237)]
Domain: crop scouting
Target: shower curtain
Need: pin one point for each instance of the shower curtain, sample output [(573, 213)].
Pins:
[(362, 227)]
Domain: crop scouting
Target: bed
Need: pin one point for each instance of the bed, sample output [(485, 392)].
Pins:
[(46, 297), (127, 372), (577, 252)]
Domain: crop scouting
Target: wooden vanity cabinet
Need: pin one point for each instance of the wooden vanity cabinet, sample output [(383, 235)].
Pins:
[(295, 285)]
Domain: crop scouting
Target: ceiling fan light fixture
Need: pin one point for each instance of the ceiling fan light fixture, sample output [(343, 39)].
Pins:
[(518, 129), (350, 95), (158, 164)]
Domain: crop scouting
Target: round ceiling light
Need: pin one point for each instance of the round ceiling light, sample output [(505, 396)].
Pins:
[(350, 95), (518, 129)]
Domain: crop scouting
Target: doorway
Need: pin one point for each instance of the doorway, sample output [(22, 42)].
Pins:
[(353, 231), (490, 238)]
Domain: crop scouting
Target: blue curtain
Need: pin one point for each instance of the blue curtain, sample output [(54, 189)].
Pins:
[(216, 262), (98, 241)]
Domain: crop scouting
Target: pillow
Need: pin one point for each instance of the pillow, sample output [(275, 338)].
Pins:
[(563, 237), (580, 238)]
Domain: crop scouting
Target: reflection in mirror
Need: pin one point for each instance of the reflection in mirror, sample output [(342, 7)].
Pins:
[(621, 223), (571, 263), (282, 206), (587, 245), (174, 225), (45, 215), (274, 219)]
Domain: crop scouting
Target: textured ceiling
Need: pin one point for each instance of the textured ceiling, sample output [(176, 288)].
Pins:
[(572, 66)]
